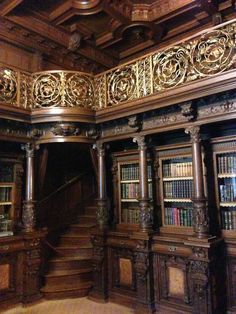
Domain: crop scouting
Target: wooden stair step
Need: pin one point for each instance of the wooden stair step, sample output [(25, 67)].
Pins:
[(77, 290), (74, 238), (90, 210), (68, 258), (63, 278), (69, 262), (84, 228), (67, 286), (68, 272), (87, 219), (76, 251)]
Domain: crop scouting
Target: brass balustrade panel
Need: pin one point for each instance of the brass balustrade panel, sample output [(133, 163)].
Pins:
[(205, 55)]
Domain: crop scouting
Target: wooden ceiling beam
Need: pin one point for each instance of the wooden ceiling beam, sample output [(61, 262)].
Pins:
[(115, 13), (210, 7), (62, 38), (8, 5)]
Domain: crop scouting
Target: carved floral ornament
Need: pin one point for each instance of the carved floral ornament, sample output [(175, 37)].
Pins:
[(209, 54)]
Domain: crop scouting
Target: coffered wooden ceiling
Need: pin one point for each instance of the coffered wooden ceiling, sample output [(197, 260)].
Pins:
[(95, 35)]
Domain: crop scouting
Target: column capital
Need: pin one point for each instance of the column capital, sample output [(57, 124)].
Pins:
[(194, 132), (100, 147), (140, 140), (29, 149)]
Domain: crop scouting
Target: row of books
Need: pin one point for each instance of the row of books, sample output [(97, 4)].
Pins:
[(6, 173), (183, 169), (131, 172), (227, 193), (228, 219), (178, 189), (5, 194), (178, 216), (131, 190), (227, 163), (130, 215)]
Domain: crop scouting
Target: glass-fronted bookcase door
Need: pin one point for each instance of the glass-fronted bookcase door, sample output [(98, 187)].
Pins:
[(129, 191), (225, 179), (176, 190)]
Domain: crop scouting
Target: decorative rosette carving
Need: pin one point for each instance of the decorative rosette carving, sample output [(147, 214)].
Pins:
[(79, 90), (47, 90), (8, 85), (170, 67), (122, 85), (213, 52)]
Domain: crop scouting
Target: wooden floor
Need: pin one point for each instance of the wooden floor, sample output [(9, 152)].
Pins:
[(70, 306)]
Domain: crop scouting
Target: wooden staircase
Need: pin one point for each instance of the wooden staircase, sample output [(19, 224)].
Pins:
[(69, 272)]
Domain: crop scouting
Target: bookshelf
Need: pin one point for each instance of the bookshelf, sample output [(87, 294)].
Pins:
[(225, 169), (10, 194), (129, 191), (176, 191)]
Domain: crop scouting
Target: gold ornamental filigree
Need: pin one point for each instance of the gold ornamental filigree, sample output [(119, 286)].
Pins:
[(79, 91), (47, 90), (170, 67), (122, 85), (213, 52), (63, 89), (8, 85)]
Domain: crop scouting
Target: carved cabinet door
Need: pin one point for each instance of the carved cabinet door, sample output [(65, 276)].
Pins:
[(172, 273), (10, 275)]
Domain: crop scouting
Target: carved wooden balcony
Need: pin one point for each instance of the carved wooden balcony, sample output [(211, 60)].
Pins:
[(201, 65)]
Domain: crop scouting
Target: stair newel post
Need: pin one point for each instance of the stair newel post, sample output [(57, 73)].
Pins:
[(28, 214), (200, 212), (99, 291), (143, 238)]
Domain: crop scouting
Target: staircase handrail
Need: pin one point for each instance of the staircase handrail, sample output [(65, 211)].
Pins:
[(63, 186)]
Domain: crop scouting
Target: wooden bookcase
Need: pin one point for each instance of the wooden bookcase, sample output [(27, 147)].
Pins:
[(224, 162), (224, 156), (175, 188), (126, 188), (11, 171)]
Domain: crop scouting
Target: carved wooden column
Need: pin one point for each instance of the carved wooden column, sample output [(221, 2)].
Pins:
[(207, 251), (102, 211), (28, 214), (200, 212), (144, 200), (143, 255), (98, 236)]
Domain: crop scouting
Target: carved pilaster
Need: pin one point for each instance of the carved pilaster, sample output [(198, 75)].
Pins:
[(100, 267), (102, 208), (32, 270), (144, 201), (200, 212), (28, 213), (144, 275)]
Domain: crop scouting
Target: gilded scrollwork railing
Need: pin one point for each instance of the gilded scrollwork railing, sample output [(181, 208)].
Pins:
[(205, 55), (15, 88), (63, 89)]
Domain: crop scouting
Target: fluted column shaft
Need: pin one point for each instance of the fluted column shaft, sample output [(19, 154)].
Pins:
[(200, 212)]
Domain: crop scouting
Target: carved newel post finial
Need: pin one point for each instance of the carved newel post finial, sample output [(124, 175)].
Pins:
[(200, 211), (144, 201), (28, 214), (102, 210)]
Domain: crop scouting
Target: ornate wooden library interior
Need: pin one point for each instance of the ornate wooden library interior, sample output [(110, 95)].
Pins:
[(118, 153)]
